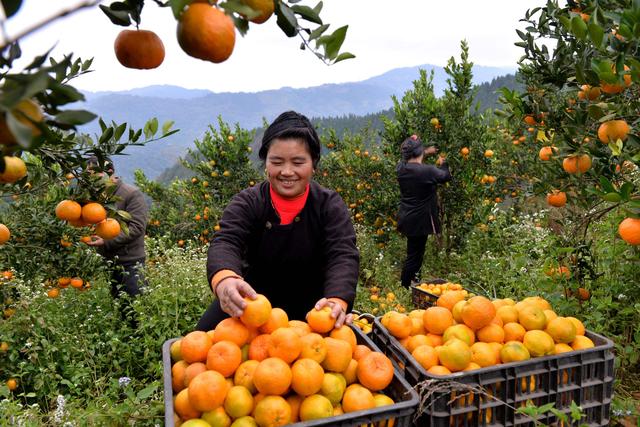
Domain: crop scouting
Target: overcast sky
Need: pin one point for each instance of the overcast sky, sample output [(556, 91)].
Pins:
[(382, 34)]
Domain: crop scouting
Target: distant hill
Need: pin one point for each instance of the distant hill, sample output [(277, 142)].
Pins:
[(193, 110)]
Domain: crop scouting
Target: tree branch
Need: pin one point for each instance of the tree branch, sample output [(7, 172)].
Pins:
[(37, 26)]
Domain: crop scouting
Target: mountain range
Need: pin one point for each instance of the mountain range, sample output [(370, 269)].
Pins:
[(193, 110)]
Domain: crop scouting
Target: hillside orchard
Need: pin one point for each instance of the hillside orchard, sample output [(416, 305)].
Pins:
[(543, 207)]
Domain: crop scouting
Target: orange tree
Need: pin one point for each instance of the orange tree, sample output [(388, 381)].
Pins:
[(221, 166), (451, 124)]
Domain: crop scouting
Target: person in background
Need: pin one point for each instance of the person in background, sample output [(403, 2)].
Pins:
[(418, 216), (126, 252), (287, 238)]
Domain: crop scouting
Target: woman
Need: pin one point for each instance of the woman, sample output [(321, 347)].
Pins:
[(418, 214), (287, 237)]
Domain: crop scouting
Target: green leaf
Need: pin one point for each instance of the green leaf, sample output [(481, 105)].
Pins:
[(579, 27), (11, 7), (606, 185), (166, 126), (153, 126), (596, 33), (106, 136), (307, 13), (318, 32), (240, 8), (333, 42), (124, 215), (343, 56), (74, 117), (147, 392), (612, 197), (118, 17), (286, 20), (87, 64), (119, 131), (616, 147), (20, 131), (566, 22), (177, 6), (595, 112), (625, 190), (318, 8)]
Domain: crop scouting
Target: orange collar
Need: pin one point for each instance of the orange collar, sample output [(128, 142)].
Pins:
[(287, 209)]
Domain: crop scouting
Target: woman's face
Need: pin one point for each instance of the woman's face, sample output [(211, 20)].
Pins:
[(289, 167)]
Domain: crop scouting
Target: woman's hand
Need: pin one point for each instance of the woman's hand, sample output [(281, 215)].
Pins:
[(430, 150), (337, 312), (231, 292)]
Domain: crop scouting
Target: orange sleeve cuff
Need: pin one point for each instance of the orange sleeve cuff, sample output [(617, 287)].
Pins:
[(221, 275), (340, 301)]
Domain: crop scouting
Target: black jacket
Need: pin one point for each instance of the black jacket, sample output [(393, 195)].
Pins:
[(293, 265), (128, 248), (418, 213)]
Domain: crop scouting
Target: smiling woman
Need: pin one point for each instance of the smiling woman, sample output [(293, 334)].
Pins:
[(287, 238)]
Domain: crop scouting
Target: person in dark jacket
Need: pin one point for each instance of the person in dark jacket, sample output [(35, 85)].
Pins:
[(418, 214), (125, 251), (287, 238)]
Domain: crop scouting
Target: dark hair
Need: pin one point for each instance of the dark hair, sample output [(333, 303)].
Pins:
[(411, 148), (102, 163), (292, 125)]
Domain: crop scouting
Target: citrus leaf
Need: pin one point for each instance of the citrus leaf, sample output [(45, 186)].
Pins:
[(625, 190), (118, 17), (596, 33), (75, 117), (106, 136), (286, 20), (119, 131), (177, 6), (333, 42), (166, 126), (343, 56), (307, 13), (11, 7), (579, 27), (606, 185), (612, 197), (616, 147)]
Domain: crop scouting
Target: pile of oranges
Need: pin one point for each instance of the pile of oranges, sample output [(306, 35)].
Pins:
[(65, 282), (264, 369), (441, 288), (89, 214), (463, 335)]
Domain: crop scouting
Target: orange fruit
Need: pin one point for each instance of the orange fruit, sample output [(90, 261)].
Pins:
[(461, 332), (93, 213), (108, 229), (581, 342), (246, 421), (26, 112), (550, 315), (578, 163), (231, 329), (478, 312), (63, 282), (257, 311), (557, 198), (629, 230), (514, 332), (375, 371), (206, 33), (278, 318), (53, 293), (399, 325), (613, 130), (507, 314), (360, 351), (357, 398), (272, 411), (457, 311), (14, 169), (539, 343), (546, 153), (351, 373), (195, 346), (68, 210), (439, 370), (238, 402), (313, 347), (580, 330), (264, 7), (259, 347), (320, 320), (302, 328), (514, 351), (426, 356), (294, 402), (490, 333), (224, 357), (416, 341), (192, 370), (76, 282), (471, 367), (216, 418), (613, 88), (562, 348), (483, 355), (183, 406), (315, 407), (285, 344), (449, 299), (532, 317), (437, 319), (333, 386), (345, 333), (244, 375), (437, 340), (272, 376), (455, 354), (178, 371), (339, 353), (306, 377), (139, 49), (562, 330)]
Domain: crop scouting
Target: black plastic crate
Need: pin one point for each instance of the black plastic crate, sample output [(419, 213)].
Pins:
[(490, 396), (422, 298), (400, 414)]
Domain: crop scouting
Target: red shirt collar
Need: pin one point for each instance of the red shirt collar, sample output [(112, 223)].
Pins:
[(287, 209)]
